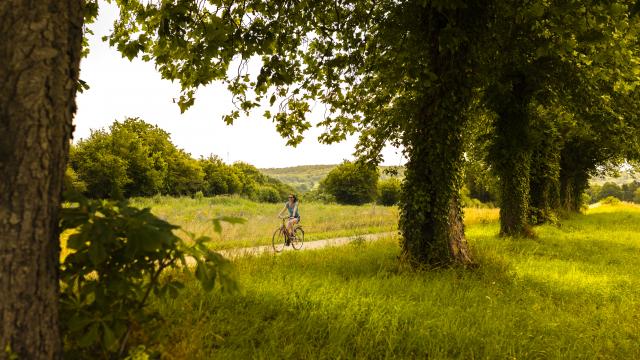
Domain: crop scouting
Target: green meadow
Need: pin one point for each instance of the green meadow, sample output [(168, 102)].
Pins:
[(573, 292), (320, 221)]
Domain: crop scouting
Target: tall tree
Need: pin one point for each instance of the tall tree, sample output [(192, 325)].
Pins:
[(400, 72), (39, 64), (576, 54)]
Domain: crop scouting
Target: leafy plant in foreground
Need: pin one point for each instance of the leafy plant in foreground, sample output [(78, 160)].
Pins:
[(118, 254)]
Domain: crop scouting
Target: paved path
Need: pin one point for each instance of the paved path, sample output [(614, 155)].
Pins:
[(318, 244)]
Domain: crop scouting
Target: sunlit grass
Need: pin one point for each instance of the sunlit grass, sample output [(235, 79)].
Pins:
[(320, 221), (572, 292)]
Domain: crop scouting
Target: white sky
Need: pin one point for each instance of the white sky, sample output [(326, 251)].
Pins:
[(120, 89)]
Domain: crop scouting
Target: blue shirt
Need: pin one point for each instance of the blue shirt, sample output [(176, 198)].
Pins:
[(297, 215)]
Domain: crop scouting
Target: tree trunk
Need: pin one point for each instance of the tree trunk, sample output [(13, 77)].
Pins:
[(544, 178), (430, 213), (431, 217), (39, 63), (571, 188), (511, 155), (514, 190)]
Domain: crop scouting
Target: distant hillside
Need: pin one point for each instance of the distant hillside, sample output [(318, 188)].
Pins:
[(306, 177)]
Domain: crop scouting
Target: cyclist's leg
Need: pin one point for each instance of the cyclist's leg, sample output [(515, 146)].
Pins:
[(292, 222)]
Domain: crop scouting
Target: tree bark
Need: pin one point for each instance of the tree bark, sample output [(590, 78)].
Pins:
[(39, 63), (511, 154), (431, 217)]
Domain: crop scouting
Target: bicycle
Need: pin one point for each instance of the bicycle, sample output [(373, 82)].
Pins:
[(282, 238)]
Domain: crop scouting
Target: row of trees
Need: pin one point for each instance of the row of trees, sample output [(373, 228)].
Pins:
[(556, 81), (135, 158)]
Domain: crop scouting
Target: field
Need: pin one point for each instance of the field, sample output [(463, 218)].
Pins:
[(320, 221), (570, 293)]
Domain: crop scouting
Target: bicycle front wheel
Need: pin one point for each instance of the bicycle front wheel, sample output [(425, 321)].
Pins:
[(298, 238), (278, 240)]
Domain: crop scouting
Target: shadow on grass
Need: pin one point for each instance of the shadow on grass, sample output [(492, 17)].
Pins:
[(529, 298)]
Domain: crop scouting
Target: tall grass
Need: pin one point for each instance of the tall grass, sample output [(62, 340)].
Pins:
[(320, 221), (573, 292)]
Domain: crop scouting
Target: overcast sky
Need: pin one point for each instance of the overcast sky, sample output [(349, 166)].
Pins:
[(120, 88)]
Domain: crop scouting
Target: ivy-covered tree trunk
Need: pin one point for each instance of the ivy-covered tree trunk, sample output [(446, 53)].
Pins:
[(572, 185), (39, 64), (511, 154), (431, 215), (544, 193)]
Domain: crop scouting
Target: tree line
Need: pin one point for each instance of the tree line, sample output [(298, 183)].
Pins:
[(134, 158)]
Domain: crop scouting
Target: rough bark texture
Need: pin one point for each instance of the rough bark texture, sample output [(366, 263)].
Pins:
[(431, 216), (39, 64)]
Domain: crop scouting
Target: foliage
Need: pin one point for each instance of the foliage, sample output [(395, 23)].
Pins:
[(624, 192), (118, 254), (389, 191), (442, 56), (351, 183), (610, 200), (598, 57), (306, 178), (135, 158), (610, 190)]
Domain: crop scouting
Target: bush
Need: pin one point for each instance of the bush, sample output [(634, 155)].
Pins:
[(610, 189), (118, 254), (389, 191), (268, 194), (610, 200), (134, 158), (351, 183)]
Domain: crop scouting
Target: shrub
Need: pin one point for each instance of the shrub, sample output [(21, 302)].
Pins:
[(118, 253), (389, 191), (610, 200), (134, 158), (351, 183), (610, 189), (268, 194)]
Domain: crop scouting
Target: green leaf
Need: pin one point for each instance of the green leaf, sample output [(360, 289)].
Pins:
[(90, 337), (108, 338), (97, 252)]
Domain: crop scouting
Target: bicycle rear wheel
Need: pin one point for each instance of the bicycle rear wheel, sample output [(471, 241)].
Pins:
[(278, 240), (298, 238)]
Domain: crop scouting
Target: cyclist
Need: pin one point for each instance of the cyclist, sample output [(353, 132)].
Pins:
[(294, 216)]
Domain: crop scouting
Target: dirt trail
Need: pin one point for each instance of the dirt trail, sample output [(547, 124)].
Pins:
[(318, 244)]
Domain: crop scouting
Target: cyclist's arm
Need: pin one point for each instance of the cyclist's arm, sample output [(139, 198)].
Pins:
[(295, 209), (281, 211)]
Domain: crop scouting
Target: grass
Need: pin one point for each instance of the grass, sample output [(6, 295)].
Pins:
[(320, 221), (570, 293)]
